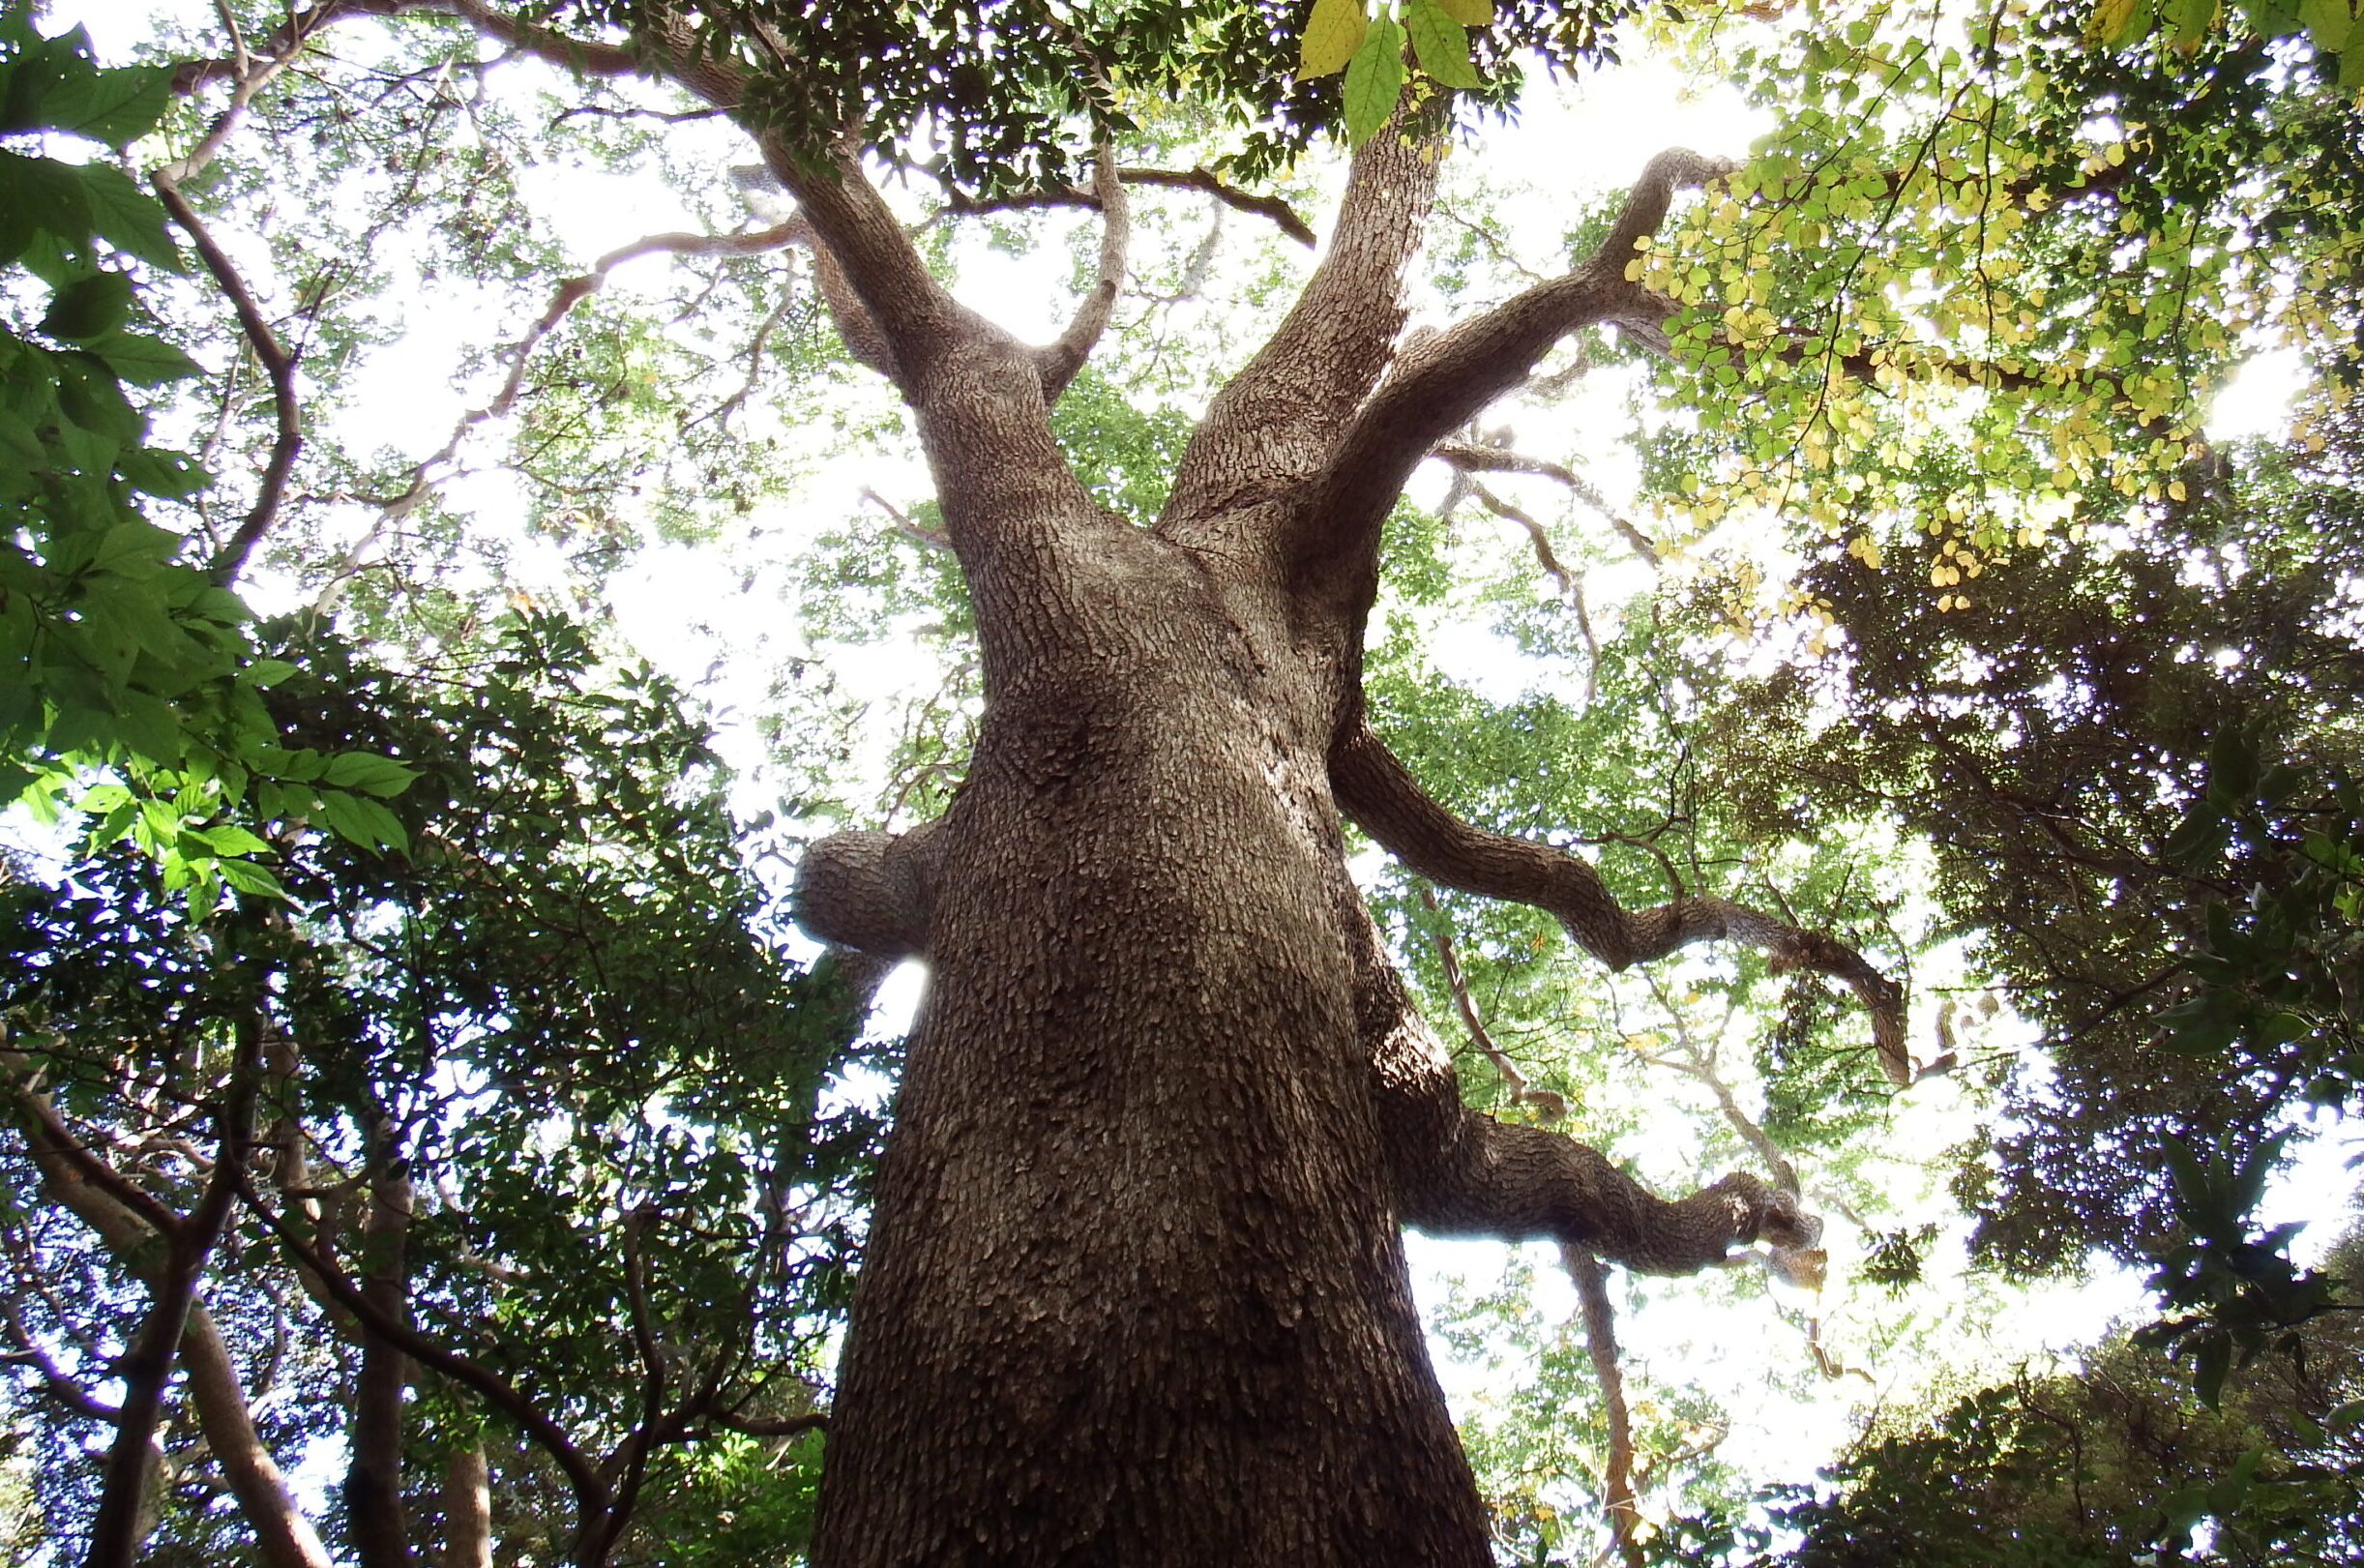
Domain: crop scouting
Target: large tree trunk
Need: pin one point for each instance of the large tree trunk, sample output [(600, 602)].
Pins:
[(1136, 1292)]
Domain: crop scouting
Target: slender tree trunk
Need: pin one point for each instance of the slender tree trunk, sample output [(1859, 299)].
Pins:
[(373, 1481), (284, 1536), (467, 1508)]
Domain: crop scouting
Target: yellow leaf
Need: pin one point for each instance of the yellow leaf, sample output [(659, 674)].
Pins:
[(1332, 34)]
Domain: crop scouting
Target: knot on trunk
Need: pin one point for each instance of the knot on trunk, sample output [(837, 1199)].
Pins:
[(869, 891)]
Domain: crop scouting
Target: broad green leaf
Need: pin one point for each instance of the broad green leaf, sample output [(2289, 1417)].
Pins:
[(127, 217), (1374, 79), (247, 877), (232, 840), (1469, 13), (144, 361), (1332, 34), (113, 107), (2329, 23), (363, 821), (375, 775), (1440, 43), (90, 308)]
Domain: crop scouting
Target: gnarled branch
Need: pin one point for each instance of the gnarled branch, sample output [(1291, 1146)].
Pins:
[(1374, 788)]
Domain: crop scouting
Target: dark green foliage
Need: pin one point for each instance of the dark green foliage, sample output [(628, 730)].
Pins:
[(2109, 1462), (1008, 95), (565, 1009), (2053, 742)]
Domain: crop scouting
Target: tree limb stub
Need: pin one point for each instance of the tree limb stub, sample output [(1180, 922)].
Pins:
[(873, 892), (1378, 792)]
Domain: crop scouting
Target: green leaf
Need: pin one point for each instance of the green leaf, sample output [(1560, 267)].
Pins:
[(1469, 13), (40, 198), (1374, 79), (1440, 43), (113, 107), (363, 821), (360, 770), (144, 361), (247, 877), (1332, 34), (2328, 22), (89, 308), (127, 217), (229, 839)]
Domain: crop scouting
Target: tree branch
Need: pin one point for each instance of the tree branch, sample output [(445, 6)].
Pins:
[(278, 364), (1275, 422), (1440, 382), (1272, 208), (1062, 359), (1601, 1348), (1375, 789), (591, 1493), (1552, 1105), (1473, 458)]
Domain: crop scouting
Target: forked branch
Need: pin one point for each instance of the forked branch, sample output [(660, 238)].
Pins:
[(1274, 423), (1443, 380), (1374, 788)]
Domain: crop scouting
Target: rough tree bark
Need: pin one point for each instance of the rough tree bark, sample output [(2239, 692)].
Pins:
[(1135, 1291)]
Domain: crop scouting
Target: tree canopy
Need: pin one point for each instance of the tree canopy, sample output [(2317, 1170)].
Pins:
[(1807, 692)]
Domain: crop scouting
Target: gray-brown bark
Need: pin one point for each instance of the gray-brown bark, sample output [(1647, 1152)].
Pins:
[(373, 1480), (467, 1509)]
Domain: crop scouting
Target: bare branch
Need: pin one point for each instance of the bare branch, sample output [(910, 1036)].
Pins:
[(278, 364), (1699, 1064), (917, 533), (1272, 208), (771, 1426), (1473, 457), (1061, 360), (1570, 584), (1439, 383), (1375, 789), (1552, 1105), (1601, 1347)]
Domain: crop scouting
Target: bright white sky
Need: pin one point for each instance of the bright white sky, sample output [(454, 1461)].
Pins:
[(1568, 145)]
